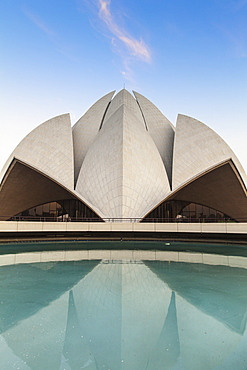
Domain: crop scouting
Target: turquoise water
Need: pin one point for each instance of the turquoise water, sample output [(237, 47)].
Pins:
[(224, 249), (123, 314)]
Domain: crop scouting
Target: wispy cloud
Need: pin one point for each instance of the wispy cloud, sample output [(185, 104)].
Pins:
[(130, 48), (136, 48), (234, 28), (237, 40), (240, 44), (38, 22), (239, 4), (53, 37)]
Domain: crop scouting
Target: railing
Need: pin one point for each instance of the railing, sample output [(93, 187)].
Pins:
[(122, 220)]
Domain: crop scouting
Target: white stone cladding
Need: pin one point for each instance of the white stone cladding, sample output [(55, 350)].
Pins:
[(160, 129), (86, 129), (197, 148), (124, 98), (49, 149), (127, 161), (123, 172)]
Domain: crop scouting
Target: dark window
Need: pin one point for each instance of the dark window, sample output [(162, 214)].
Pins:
[(181, 211), (62, 210)]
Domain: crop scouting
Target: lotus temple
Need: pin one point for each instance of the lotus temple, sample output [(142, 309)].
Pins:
[(123, 244), (123, 161)]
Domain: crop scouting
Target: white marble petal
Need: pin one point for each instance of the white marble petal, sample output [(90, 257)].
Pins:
[(160, 129), (126, 99), (86, 129), (123, 173), (198, 148), (122, 159), (49, 149)]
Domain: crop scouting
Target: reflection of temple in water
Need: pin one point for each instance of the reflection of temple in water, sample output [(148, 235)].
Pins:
[(122, 315)]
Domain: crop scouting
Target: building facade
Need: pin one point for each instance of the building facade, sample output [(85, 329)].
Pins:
[(123, 160)]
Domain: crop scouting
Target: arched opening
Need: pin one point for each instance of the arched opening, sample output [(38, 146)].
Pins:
[(61, 210), (182, 211)]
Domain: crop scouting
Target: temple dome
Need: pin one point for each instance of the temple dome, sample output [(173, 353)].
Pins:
[(122, 160)]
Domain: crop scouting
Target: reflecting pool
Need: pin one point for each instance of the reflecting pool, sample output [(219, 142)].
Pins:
[(174, 311)]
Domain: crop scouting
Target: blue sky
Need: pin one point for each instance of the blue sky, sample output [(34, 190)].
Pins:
[(187, 57)]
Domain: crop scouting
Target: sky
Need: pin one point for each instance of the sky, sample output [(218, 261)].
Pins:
[(186, 56)]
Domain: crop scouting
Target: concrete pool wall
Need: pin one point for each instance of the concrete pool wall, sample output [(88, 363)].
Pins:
[(60, 230)]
